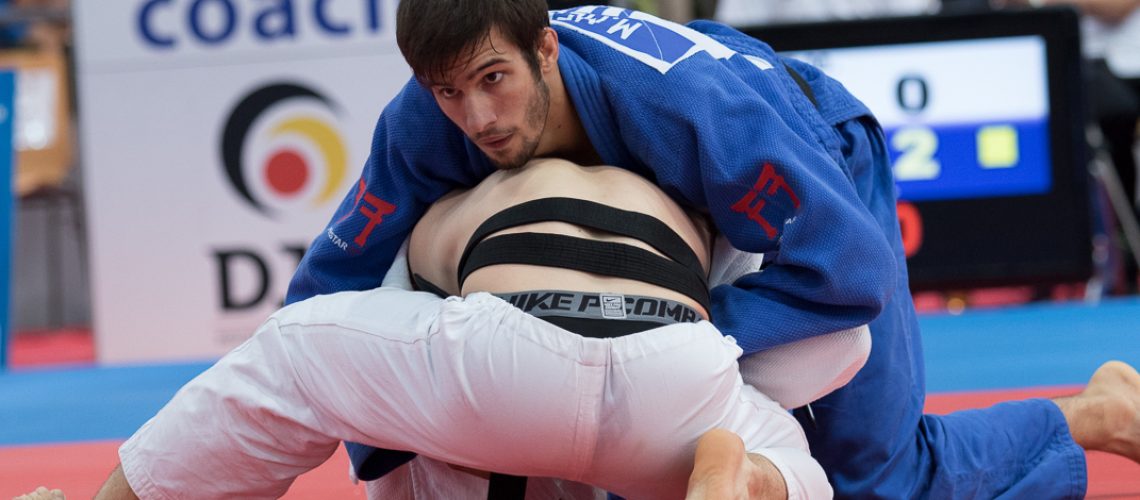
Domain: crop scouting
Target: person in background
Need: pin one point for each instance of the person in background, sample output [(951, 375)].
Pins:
[(761, 12), (1110, 41)]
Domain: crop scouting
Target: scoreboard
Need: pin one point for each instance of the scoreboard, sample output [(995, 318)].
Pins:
[(953, 133), (984, 123)]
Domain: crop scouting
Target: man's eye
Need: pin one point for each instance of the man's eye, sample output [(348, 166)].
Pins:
[(493, 77), (446, 92)]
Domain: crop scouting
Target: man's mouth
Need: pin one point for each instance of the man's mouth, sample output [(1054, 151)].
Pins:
[(496, 142)]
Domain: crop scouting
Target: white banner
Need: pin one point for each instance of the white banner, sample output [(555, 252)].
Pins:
[(218, 137)]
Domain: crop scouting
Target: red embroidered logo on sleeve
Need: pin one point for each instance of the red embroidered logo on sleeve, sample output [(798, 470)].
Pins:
[(767, 186), (373, 208)]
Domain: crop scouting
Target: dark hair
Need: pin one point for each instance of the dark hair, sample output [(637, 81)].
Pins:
[(433, 35)]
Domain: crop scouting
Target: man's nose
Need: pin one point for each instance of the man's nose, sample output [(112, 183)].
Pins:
[(480, 113)]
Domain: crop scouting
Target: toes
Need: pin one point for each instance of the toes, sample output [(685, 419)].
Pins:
[(42, 493)]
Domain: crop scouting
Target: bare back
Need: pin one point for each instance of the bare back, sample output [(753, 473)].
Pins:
[(438, 240)]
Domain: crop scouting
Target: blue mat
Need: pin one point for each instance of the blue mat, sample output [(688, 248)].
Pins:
[(85, 404), (1028, 346)]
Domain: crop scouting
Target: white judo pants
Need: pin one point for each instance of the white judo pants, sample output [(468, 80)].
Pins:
[(473, 382)]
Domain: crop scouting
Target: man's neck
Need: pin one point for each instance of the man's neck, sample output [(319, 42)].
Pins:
[(564, 135)]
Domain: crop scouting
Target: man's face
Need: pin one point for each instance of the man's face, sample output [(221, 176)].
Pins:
[(498, 100)]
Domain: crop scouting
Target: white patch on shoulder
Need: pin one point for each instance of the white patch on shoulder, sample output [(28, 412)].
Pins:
[(656, 42)]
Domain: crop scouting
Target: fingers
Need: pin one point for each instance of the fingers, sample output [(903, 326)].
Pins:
[(42, 493)]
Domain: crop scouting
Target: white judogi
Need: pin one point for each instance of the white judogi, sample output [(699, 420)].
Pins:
[(381, 368), (791, 374), (473, 381)]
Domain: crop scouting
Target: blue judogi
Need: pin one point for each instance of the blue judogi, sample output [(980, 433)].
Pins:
[(717, 119)]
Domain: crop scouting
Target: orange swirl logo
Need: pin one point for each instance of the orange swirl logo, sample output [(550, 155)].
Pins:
[(281, 149)]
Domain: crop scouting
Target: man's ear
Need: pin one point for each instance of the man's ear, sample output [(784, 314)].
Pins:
[(548, 50)]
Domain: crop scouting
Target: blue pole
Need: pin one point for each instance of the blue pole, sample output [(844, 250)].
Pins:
[(7, 206)]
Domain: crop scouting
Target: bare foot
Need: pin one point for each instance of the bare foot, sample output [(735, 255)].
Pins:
[(722, 470), (42, 493), (1106, 415)]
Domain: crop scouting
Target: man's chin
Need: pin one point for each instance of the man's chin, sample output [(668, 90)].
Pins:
[(509, 166), (511, 163)]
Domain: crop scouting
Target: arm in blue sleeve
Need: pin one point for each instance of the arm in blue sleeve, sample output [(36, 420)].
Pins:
[(771, 172), (416, 157), (831, 267)]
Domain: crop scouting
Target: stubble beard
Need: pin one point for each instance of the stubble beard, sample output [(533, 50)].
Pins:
[(537, 109)]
